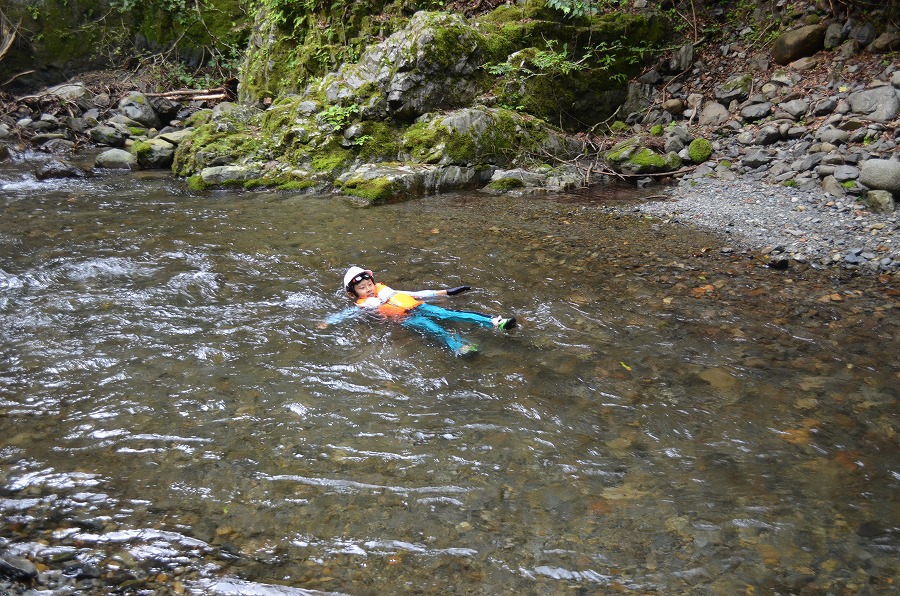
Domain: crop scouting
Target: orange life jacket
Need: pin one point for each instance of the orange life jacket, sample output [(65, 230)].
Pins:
[(393, 304)]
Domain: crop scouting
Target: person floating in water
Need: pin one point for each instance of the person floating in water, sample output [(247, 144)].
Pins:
[(412, 311)]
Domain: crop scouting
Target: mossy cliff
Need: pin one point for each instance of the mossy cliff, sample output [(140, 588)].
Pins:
[(436, 101)]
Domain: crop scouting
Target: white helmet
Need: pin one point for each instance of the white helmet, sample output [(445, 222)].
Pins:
[(355, 275)]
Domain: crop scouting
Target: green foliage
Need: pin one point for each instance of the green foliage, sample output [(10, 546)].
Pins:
[(339, 117), (580, 8)]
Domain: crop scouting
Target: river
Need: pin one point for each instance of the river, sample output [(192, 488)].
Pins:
[(670, 416)]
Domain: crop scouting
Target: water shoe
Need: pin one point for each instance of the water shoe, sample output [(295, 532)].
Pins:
[(505, 323), (467, 350)]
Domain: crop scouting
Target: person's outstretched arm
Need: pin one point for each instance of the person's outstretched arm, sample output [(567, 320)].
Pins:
[(426, 294), (338, 317)]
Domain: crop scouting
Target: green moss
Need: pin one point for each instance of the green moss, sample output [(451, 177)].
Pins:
[(699, 150), (196, 183), (382, 144), (647, 158), (198, 118), (656, 130), (505, 184), (790, 183), (142, 150), (619, 127), (331, 160), (425, 142), (375, 190)]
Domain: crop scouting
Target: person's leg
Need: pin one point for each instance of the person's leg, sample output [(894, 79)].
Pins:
[(442, 314), (426, 326)]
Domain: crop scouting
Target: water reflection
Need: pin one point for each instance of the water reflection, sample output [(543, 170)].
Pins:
[(668, 417)]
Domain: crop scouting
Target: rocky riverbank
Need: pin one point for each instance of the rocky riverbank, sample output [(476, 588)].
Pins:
[(789, 148)]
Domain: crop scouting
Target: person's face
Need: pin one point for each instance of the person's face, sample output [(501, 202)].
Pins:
[(365, 289)]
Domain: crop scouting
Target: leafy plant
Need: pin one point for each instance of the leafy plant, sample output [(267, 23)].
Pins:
[(339, 117)]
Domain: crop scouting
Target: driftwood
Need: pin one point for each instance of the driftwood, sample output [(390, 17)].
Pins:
[(651, 175), (7, 34), (228, 91)]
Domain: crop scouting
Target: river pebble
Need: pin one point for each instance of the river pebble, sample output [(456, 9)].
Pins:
[(786, 224)]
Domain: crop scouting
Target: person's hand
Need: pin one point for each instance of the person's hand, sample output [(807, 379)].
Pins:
[(457, 290)]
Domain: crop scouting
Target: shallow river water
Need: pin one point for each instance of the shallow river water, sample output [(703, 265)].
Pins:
[(668, 417)]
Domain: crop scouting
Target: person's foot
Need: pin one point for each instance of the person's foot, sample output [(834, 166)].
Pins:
[(505, 323), (467, 350)]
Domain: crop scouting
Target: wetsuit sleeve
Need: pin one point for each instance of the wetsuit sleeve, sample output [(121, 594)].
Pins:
[(347, 313), (421, 294)]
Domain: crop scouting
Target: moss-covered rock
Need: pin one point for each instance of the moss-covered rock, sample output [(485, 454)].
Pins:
[(699, 150), (633, 157)]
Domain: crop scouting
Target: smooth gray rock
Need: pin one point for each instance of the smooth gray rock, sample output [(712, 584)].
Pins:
[(881, 201), (714, 114), (116, 159), (881, 174), (881, 104), (137, 106)]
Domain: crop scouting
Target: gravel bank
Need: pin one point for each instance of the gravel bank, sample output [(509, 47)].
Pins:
[(786, 223)]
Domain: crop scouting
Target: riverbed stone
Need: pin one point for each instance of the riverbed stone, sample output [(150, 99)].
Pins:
[(59, 168), (116, 159), (798, 43), (154, 153), (17, 568), (756, 158), (756, 111), (797, 108), (107, 135), (881, 104), (136, 106), (844, 173), (75, 92), (229, 175), (881, 174), (881, 201), (832, 136), (713, 114), (831, 186), (736, 88)]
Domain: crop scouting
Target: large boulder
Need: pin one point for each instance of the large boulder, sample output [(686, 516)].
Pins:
[(799, 43), (377, 183), (481, 135), (881, 174), (426, 65)]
